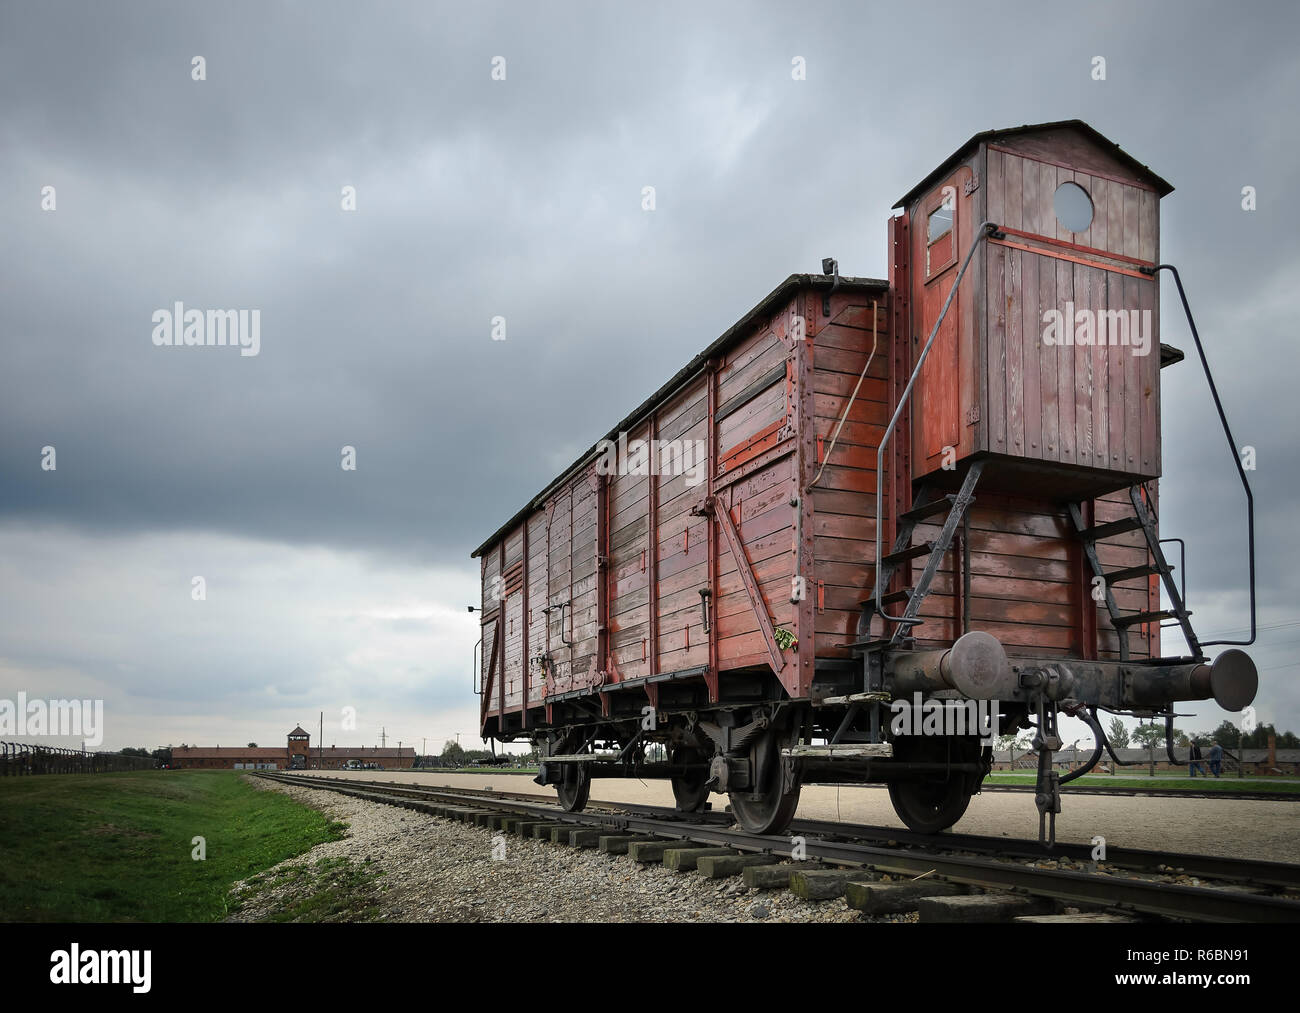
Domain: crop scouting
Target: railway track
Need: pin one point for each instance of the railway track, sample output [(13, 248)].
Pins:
[(1072, 789), (1082, 789), (1135, 882), (1282, 875)]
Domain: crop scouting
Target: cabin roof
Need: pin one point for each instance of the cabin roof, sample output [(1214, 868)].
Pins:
[(729, 337), (1162, 187)]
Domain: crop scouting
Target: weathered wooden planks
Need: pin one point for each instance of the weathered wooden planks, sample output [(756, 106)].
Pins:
[(603, 578)]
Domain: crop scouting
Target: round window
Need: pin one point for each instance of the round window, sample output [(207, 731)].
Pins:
[(1073, 207)]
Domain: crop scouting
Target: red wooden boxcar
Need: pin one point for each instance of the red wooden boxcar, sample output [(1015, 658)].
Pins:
[(696, 597)]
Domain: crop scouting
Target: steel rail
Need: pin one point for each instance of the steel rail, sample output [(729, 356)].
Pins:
[(1284, 875), (1246, 796)]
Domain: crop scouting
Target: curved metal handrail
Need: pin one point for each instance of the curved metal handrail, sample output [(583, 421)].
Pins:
[(1232, 444)]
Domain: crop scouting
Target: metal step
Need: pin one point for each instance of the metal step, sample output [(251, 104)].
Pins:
[(871, 645), (892, 598), (941, 505), (1119, 527), (894, 558), (839, 701), (1145, 617), (853, 751), (1145, 570)]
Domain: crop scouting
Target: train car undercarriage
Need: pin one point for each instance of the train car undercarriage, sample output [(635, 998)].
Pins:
[(759, 753)]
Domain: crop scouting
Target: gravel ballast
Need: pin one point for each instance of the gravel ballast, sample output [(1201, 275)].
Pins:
[(434, 870)]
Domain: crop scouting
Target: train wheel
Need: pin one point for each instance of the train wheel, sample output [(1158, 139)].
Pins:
[(770, 806), (930, 806), (771, 813), (574, 788), (690, 790)]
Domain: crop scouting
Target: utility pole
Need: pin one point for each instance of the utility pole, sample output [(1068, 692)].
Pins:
[(383, 737), (320, 742)]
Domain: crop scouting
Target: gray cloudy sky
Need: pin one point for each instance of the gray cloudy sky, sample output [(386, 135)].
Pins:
[(520, 198)]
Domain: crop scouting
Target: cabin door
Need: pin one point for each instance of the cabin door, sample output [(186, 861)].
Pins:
[(937, 398)]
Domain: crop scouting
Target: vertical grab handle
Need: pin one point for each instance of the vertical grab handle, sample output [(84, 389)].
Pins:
[(985, 230)]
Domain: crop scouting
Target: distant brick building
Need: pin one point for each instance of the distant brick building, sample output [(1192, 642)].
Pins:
[(296, 754)]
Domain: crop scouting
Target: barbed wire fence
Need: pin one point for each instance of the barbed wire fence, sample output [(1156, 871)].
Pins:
[(23, 758)]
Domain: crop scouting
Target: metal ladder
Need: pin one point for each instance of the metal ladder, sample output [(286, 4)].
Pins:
[(957, 506), (886, 565), (1144, 520)]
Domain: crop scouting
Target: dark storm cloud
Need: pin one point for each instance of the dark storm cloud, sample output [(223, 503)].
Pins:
[(522, 199)]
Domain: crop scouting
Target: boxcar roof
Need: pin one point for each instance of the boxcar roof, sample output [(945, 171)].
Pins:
[(1163, 187), (733, 334)]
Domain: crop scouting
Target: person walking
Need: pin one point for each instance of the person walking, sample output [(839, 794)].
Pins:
[(1216, 758), (1193, 759)]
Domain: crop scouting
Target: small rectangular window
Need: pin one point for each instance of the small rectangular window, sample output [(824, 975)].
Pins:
[(941, 233), (940, 222)]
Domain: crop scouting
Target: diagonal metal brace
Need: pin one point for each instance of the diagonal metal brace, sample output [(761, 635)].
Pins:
[(965, 497), (756, 603)]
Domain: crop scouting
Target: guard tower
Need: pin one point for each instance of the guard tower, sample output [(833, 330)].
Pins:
[(299, 748)]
